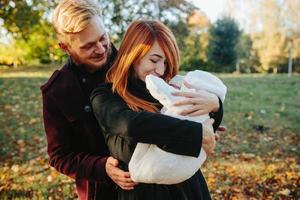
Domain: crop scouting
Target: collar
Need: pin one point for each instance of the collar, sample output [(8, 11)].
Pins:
[(138, 88)]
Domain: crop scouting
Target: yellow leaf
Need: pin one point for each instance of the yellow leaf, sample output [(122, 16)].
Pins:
[(285, 192), (15, 168)]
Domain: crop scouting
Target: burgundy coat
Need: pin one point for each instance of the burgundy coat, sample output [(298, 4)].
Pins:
[(76, 145)]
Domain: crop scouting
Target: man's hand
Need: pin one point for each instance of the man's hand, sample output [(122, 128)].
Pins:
[(120, 177), (209, 138)]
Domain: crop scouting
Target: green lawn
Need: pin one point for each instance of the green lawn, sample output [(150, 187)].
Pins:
[(258, 157)]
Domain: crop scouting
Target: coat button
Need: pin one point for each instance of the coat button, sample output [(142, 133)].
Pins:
[(87, 108)]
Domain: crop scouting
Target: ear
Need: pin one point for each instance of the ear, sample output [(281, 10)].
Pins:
[(64, 47)]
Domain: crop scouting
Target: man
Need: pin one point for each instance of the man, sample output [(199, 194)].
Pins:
[(76, 146)]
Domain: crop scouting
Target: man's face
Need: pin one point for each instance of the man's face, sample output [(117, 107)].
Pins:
[(90, 47)]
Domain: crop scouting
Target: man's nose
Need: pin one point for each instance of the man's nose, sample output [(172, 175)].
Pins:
[(160, 68), (100, 48)]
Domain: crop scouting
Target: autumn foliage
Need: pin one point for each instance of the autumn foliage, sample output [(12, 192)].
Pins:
[(257, 158)]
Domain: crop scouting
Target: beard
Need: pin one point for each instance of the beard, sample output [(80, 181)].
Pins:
[(94, 62)]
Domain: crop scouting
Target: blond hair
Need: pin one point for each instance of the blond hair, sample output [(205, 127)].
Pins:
[(73, 16)]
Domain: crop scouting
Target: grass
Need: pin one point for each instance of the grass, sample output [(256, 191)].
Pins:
[(257, 158)]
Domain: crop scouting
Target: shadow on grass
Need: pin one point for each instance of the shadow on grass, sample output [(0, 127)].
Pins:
[(16, 194)]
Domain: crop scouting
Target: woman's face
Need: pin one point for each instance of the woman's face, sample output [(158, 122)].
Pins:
[(154, 62)]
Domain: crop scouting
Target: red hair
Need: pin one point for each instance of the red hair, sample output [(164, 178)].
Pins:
[(138, 40)]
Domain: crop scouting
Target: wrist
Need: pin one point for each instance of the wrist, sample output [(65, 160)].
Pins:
[(216, 104)]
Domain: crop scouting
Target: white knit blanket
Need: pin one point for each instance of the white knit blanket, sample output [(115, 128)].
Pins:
[(149, 163)]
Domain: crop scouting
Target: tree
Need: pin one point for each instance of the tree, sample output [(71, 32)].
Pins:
[(224, 36), (28, 23), (118, 14), (20, 16), (180, 31), (32, 38), (247, 58), (199, 24), (43, 45), (195, 42), (273, 25)]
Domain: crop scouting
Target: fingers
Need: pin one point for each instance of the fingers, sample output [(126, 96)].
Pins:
[(196, 102), (193, 112), (199, 93), (217, 136), (212, 153), (208, 136), (124, 185), (210, 145), (120, 177), (112, 161), (125, 182), (115, 171), (198, 113), (187, 85), (185, 102), (194, 107), (209, 148), (193, 101), (186, 94), (222, 128)]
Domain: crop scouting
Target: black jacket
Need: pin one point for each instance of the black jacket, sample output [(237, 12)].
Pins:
[(124, 128)]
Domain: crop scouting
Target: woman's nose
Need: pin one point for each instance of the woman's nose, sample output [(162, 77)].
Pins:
[(160, 68)]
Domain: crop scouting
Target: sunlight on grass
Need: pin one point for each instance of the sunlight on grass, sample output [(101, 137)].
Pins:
[(247, 176), (257, 157), (25, 74)]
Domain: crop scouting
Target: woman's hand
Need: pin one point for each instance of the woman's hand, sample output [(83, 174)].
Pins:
[(202, 102), (120, 177), (208, 137)]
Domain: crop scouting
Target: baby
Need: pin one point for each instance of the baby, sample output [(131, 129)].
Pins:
[(149, 163)]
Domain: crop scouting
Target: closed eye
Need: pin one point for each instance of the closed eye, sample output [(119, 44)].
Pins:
[(154, 61), (87, 46)]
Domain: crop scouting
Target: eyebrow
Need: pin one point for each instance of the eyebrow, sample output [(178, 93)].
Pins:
[(104, 34), (157, 55)]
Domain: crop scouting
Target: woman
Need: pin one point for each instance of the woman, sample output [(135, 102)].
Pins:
[(123, 105)]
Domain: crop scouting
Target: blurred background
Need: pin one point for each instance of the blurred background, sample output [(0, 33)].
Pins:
[(252, 45), (218, 35)]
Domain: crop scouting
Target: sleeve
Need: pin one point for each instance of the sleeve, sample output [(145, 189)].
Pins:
[(171, 134), (217, 116), (61, 151)]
